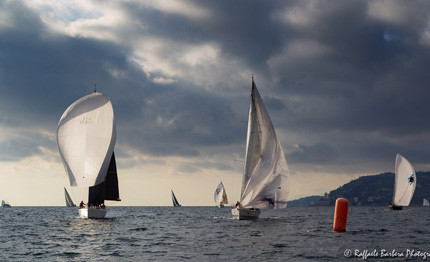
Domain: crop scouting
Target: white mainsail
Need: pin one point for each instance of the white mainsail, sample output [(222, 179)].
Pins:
[(265, 179), (86, 137), (425, 202), (220, 195), (404, 183)]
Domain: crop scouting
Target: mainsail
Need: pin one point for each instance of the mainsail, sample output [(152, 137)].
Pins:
[(86, 137), (220, 195), (174, 200), (404, 183), (265, 178), (425, 202), (69, 201)]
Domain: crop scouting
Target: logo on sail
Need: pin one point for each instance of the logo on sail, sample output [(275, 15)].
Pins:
[(411, 179)]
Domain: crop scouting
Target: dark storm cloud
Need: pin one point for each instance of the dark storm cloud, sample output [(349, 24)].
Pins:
[(369, 85), (245, 30), (319, 153), (367, 81), (43, 73), (178, 122), (344, 80)]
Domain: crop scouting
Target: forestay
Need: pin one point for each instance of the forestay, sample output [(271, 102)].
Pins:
[(265, 182), (86, 137)]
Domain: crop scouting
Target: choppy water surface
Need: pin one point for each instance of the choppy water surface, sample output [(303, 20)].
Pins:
[(210, 234)]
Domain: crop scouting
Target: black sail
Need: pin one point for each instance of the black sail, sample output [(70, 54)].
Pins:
[(111, 182), (108, 190), (96, 194), (175, 201)]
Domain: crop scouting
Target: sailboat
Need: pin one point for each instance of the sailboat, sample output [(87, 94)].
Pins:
[(425, 203), (220, 195), (265, 178), (404, 183), (69, 201), (174, 200), (86, 136), (5, 204)]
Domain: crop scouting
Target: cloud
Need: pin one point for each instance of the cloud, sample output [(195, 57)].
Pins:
[(345, 82), (317, 154)]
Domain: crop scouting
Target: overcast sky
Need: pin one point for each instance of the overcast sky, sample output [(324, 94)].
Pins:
[(345, 82)]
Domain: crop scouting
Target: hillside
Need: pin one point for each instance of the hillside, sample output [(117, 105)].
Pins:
[(305, 201), (374, 190)]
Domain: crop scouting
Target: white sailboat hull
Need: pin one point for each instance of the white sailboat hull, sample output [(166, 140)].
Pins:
[(92, 212), (245, 214)]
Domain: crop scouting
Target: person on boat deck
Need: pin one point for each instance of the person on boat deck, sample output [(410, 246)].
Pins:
[(82, 205), (237, 204), (103, 206)]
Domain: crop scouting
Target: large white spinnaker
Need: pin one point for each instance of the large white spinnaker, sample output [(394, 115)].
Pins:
[(86, 137), (265, 183), (404, 183)]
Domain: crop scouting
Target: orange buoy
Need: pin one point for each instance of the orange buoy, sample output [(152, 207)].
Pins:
[(340, 214)]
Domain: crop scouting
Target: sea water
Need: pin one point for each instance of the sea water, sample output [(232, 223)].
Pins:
[(210, 234)]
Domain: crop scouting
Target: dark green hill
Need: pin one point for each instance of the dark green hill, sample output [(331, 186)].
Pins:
[(376, 190)]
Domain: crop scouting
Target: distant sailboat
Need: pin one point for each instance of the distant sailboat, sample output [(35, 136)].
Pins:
[(175, 201), (425, 202), (265, 179), (4, 204), (220, 195), (69, 201), (86, 137), (404, 183)]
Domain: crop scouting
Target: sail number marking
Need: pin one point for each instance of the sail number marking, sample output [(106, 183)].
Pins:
[(86, 120)]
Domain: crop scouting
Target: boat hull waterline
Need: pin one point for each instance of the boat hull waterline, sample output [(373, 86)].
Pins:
[(396, 207), (92, 212), (245, 214)]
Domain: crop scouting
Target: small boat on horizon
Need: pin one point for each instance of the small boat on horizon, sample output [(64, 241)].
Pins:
[(174, 200), (220, 195), (5, 204), (69, 201), (405, 182), (425, 203)]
